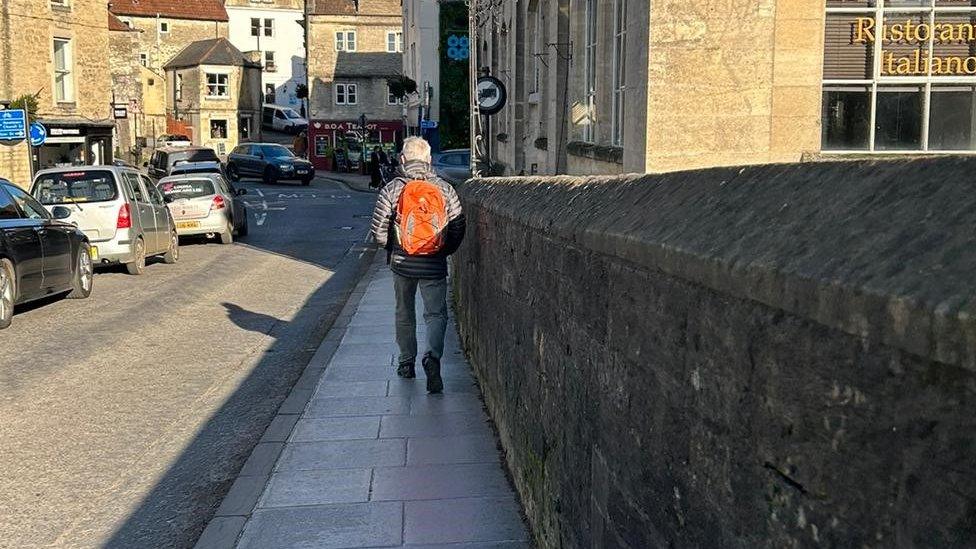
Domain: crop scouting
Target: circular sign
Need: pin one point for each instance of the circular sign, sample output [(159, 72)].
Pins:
[(491, 95), (38, 134)]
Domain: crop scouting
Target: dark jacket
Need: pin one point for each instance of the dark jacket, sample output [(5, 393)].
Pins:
[(385, 224)]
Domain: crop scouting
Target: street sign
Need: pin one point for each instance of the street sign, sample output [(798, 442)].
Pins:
[(38, 134), (491, 95), (428, 124), (13, 125), (120, 111)]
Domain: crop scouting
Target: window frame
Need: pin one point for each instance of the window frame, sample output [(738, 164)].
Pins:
[(348, 89), (929, 11), (273, 65), (225, 85), (346, 40), (256, 26), (160, 27), (618, 108), (67, 94), (590, 43), (390, 99), (226, 127), (397, 36)]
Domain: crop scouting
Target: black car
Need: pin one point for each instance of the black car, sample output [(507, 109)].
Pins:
[(270, 162), (165, 159), (39, 255)]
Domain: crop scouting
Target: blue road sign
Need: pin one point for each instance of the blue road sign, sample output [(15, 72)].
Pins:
[(13, 125), (428, 124), (38, 134)]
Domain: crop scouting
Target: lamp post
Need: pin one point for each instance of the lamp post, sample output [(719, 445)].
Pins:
[(362, 140)]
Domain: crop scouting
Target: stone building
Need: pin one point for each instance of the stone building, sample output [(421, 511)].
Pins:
[(276, 29), (216, 91), (59, 54), (354, 48), (168, 26), (421, 59), (623, 86)]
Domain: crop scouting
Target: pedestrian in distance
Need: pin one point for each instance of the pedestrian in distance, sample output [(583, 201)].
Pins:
[(376, 161), (300, 144), (418, 219)]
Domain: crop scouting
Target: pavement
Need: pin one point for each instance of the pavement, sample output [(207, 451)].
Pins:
[(358, 457), (126, 417), (356, 182)]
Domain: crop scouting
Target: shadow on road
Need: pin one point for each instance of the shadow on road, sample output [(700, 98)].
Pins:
[(250, 320)]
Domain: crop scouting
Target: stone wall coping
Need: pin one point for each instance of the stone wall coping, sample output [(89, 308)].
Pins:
[(883, 250)]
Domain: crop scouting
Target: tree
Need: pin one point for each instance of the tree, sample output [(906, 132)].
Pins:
[(27, 103)]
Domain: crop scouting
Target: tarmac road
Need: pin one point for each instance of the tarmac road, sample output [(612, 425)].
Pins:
[(124, 418)]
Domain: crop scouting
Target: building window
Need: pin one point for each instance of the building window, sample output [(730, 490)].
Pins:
[(536, 49), (269, 27), (346, 94), (60, 3), (269, 93), (392, 99), (63, 86), (163, 27), (345, 41), (144, 59), (218, 129), (589, 71), (269, 61), (218, 85), (179, 87), (619, 69), (394, 42), (255, 26), (899, 76)]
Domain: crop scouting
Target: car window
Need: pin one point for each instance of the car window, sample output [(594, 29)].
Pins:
[(451, 160), (7, 208), (275, 151), (194, 155), (31, 207), (279, 115), (187, 188), (135, 190), (154, 195), (73, 187), (222, 184)]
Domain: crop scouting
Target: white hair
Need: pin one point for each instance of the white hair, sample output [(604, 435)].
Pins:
[(416, 148)]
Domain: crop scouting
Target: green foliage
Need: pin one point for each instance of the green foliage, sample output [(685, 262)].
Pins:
[(401, 86), (301, 91), (455, 88), (28, 103)]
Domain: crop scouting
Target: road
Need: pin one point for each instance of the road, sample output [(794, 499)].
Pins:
[(124, 418)]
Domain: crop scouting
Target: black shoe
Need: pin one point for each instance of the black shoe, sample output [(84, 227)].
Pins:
[(432, 366), (407, 370)]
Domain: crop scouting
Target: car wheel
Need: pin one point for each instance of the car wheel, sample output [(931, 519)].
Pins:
[(227, 237), (81, 285), (7, 293), (138, 266), (173, 254), (233, 174), (306, 182), (269, 176)]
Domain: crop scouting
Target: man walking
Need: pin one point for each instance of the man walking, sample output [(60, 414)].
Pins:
[(418, 219)]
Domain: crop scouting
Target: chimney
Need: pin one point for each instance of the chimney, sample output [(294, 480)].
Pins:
[(254, 56)]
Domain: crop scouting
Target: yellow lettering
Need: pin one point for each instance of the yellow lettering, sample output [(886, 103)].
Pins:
[(910, 31), (928, 32), (889, 67), (936, 65), (948, 33), (970, 65), (904, 66), (897, 32), (865, 30), (957, 61)]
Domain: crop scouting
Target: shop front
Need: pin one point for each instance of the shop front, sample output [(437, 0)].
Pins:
[(327, 137), (75, 143), (899, 76)]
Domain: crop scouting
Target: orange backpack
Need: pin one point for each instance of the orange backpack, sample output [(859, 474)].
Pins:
[(422, 212)]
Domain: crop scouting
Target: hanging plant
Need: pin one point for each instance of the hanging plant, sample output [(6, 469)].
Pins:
[(401, 86)]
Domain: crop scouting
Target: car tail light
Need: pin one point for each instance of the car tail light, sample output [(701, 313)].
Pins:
[(125, 219), (218, 203)]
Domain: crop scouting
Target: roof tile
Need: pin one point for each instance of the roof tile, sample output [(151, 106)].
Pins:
[(206, 10)]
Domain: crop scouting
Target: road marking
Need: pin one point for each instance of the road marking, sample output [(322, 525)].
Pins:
[(260, 218), (261, 194)]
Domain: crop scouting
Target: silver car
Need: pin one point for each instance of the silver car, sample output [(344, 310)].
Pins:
[(119, 210), (205, 204)]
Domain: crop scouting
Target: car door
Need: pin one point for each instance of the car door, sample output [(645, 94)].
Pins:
[(161, 214), (23, 245), (230, 196), (55, 241), (142, 212)]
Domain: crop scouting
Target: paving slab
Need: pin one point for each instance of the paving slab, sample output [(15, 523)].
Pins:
[(325, 527), (439, 482), (463, 520), (297, 488), (479, 448), (376, 388), (342, 454), (446, 404), (433, 426), (357, 406), (337, 428)]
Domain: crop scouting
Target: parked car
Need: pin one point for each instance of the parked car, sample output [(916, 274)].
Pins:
[(39, 255), (205, 204), (270, 162), (454, 166), (186, 168), (173, 140), (119, 209), (282, 119), (163, 161)]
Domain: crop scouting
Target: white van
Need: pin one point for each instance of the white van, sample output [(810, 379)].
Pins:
[(283, 119)]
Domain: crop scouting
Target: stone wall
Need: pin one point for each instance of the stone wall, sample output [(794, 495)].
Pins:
[(160, 47), (776, 356)]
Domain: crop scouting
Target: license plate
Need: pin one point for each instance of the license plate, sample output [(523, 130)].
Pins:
[(94, 253), (188, 225), (302, 172)]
